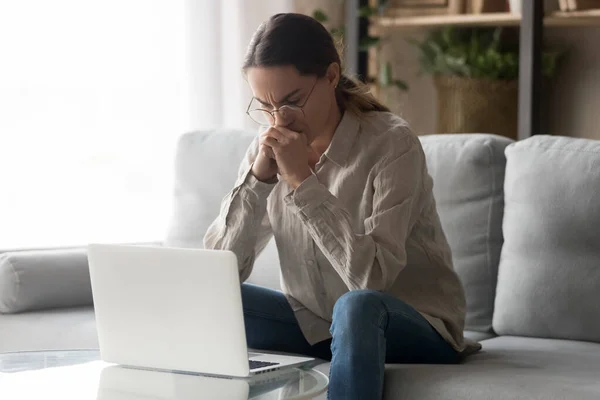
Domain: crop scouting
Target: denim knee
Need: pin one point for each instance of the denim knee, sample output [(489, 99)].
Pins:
[(357, 308)]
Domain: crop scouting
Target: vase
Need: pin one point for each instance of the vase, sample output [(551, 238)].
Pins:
[(466, 105)]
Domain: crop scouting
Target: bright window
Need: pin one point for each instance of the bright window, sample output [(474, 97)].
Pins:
[(92, 101)]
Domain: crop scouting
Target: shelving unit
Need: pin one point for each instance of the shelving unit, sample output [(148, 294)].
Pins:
[(491, 19), (567, 19), (531, 22)]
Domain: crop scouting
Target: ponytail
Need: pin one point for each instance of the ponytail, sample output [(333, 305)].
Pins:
[(356, 97)]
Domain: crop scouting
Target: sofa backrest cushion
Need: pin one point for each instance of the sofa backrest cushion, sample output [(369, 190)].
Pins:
[(35, 280), (468, 178), (206, 167), (549, 276)]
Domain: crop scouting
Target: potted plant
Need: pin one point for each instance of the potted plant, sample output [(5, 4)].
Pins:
[(476, 77)]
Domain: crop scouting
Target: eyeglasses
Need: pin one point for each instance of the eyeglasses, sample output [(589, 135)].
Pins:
[(267, 117)]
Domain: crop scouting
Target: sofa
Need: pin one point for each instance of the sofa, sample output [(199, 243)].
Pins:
[(523, 222)]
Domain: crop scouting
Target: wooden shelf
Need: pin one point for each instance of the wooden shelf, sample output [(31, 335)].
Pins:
[(491, 19), (573, 18)]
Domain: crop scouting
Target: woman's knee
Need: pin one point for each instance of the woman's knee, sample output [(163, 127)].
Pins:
[(249, 291), (358, 307)]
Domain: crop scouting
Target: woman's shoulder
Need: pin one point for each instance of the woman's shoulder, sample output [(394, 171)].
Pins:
[(387, 133)]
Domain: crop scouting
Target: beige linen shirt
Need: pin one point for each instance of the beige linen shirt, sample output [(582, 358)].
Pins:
[(365, 219)]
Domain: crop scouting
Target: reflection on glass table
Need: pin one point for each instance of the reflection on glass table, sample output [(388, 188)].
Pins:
[(80, 375)]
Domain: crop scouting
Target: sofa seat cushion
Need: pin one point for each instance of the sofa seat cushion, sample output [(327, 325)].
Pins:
[(39, 279), (57, 329), (468, 183), (508, 368)]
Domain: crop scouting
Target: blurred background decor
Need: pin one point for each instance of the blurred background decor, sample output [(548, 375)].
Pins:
[(485, 6), (409, 8), (564, 104), (577, 5), (385, 78), (475, 73)]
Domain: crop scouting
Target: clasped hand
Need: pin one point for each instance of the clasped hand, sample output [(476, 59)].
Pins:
[(289, 149)]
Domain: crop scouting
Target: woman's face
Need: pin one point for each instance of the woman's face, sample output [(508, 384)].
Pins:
[(309, 99)]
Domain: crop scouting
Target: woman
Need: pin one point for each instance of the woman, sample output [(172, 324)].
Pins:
[(342, 184)]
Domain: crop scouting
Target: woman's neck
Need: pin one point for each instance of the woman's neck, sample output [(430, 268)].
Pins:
[(322, 142)]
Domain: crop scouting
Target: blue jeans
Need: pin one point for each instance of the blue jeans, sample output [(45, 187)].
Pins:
[(369, 329)]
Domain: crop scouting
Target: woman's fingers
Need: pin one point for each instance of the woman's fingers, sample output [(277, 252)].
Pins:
[(267, 151), (276, 134), (293, 135), (287, 133), (270, 142)]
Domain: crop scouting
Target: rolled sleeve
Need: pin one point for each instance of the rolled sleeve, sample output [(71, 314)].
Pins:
[(260, 189), (307, 197)]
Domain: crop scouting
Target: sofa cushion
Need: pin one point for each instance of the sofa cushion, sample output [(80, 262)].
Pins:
[(468, 177), (206, 169), (549, 277), (478, 336), (57, 329), (508, 368), (34, 280)]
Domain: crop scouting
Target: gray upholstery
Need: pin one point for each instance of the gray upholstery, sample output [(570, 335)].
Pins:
[(34, 280), (206, 170), (478, 336), (56, 329), (468, 176), (508, 368), (549, 278)]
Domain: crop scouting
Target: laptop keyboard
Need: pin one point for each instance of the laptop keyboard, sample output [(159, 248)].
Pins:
[(260, 364)]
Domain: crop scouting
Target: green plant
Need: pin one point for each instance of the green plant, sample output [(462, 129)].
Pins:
[(385, 76), (476, 53)]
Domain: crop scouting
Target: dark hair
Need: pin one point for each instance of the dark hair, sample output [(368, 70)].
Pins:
[(301, 41)]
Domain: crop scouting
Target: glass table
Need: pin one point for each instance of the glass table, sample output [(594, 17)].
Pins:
[(79, 374)]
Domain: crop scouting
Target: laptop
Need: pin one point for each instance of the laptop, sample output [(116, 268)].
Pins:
[(174, 309)]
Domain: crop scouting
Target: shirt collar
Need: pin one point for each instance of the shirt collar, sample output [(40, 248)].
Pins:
[(343, 139)]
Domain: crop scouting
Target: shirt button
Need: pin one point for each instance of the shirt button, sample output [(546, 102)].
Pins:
[(310, 262)]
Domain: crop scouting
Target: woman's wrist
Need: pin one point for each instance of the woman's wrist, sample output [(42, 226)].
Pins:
[(270, 180)]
